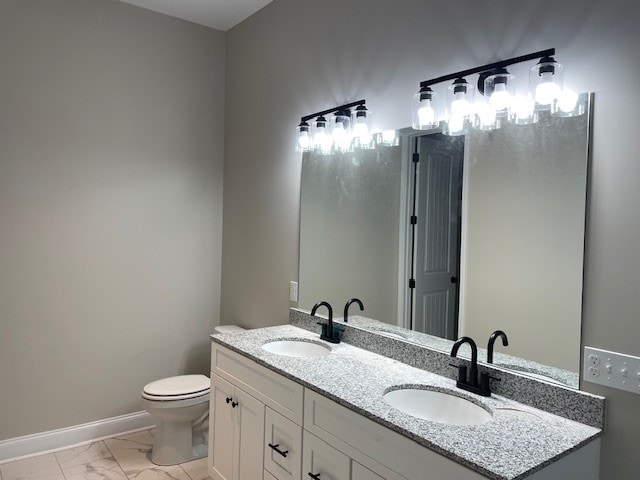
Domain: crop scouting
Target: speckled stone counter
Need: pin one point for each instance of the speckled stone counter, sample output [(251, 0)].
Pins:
[(519, 441), (551, 397)]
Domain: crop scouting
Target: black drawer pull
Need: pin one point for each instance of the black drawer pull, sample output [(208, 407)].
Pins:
[(276, 449), (316, 475)]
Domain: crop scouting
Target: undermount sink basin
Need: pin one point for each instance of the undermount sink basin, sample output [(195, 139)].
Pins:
[(297, 348), (437, 406)]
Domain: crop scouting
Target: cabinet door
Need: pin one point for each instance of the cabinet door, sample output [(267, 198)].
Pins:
[(268, 476), (222, 420), (282, 446), (323, 461), (250, 434), (358, 472)]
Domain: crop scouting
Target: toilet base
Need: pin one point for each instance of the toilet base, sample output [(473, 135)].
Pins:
[(177, 442)]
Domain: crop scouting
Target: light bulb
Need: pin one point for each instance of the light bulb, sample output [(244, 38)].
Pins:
[(304, 141), (426, 114), (361, 130), (500, 90), (500, 99), (547, 90), (460, 106)]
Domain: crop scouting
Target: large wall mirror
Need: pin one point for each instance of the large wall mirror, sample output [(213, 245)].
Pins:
[(497, 242)]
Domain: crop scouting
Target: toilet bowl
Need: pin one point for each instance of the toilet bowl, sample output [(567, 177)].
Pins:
[(180, 407)]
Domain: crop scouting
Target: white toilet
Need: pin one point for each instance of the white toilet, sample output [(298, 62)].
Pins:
[(180, 407)]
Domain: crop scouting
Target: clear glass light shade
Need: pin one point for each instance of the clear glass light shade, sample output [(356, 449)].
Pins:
[(523, 110), (321, 138), (303, 138), (341, 132), (459, 107), (545, 82), (361, 128), (500, 90), (425, 116)]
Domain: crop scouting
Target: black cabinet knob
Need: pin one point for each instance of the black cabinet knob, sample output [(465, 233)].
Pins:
[(228, 399), (314, 475), (234, 404)]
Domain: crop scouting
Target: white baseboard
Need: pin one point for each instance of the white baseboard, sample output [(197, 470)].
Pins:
[(53, 440)]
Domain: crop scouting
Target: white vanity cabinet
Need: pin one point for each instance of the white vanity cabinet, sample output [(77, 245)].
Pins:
[(236, 439), (266, 426), (251, 408)]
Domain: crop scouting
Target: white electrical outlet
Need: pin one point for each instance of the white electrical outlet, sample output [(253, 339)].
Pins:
[(293, 291), (615, 370)]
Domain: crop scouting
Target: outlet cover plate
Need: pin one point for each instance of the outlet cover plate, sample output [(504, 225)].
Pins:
[(611, 369)]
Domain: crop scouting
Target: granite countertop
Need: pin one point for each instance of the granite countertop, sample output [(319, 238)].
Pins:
[(519, 441)]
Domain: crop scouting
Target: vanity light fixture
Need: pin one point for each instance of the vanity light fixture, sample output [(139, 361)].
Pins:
[(348, 127), (545, 80), (341, 130), (321, 137), (303, 141), (424, 109), (362, 128), (498, 103), (459, 107)]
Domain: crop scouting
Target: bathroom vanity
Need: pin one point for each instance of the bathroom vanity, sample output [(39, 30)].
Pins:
[(284, 417)]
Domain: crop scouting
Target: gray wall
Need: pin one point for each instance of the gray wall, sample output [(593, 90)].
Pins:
[(298, 56), (111, 145)]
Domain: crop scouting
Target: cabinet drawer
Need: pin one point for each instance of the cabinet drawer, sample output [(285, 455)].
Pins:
[(281, 394), (349, 431), (358, 472), (286, 436), (320, 458)]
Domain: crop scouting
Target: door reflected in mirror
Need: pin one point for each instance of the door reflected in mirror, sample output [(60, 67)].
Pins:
[(496, 241)]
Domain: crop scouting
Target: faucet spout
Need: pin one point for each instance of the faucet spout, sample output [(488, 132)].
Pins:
[(329, 333), (473, 373), (348, 304), (492, 339), (471, 383)]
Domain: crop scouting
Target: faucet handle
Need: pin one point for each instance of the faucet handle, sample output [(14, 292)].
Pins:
[(462, 372), (324, 329), (485, 380)]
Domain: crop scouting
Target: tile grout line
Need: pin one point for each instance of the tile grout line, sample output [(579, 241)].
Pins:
[(59, 465)]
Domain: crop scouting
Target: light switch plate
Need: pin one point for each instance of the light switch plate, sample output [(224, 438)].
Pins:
[(612, 369), (293, 291)]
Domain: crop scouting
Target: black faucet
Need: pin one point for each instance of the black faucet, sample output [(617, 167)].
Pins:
[(329, 333), (346, 308), (471, 383), (492, 340)]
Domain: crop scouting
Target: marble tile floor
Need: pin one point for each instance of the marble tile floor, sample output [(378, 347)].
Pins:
[(119, 458)]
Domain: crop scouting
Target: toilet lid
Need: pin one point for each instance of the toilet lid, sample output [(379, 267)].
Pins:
[(180, 385)]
